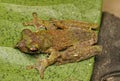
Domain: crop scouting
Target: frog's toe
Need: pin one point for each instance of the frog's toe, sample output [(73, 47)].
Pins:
[(25, 24), (41, 70), (28, 23), (29, 67)]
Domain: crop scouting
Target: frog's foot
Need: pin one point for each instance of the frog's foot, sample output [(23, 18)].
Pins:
[(29, 67), (41, 65), (35, 22), (88, 26)]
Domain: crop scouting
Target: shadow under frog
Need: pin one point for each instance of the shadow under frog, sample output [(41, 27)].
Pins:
[(64, 45)]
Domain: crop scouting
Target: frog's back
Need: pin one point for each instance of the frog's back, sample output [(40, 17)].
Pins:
[(82, 34), (61, 39)]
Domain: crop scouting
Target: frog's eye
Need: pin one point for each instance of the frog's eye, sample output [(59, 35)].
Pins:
[(26, 33)]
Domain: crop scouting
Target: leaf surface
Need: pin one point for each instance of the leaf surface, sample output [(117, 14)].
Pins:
[(14, 12)]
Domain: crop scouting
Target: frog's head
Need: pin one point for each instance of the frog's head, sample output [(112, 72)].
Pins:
[(29, 42)]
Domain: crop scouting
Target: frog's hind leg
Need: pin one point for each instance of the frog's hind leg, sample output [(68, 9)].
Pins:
[(64, 24), (80, 51)]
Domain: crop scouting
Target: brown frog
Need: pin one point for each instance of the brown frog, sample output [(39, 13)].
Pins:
[(73, 42)]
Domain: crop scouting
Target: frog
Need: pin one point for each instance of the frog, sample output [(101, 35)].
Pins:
[(70, 41)]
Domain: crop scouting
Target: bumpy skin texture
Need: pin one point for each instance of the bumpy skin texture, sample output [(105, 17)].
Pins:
[(75, 41)]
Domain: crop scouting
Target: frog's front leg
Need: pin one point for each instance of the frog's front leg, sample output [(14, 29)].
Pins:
[(35, 22), (42, 64)]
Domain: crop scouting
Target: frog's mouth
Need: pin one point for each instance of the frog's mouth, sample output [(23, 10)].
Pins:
[(33, 51), (24, 49)]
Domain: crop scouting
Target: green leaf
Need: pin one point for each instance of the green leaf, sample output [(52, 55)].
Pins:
[(13, 12)]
